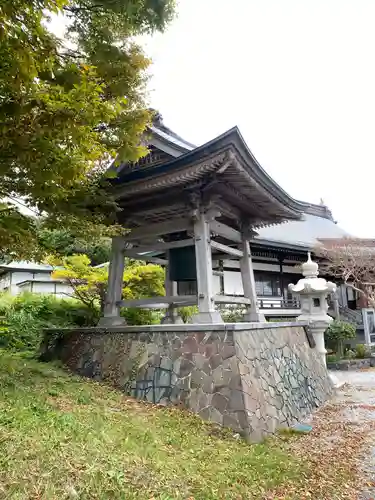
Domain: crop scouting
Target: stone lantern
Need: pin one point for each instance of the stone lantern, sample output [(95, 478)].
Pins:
[(312, 292)]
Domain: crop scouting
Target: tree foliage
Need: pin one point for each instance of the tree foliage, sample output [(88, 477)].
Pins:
[(337, 332), (89, 283), (64, 243), (18, 238), (67, 108)]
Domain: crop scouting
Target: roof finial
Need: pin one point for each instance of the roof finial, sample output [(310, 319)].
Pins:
[(157, 118)]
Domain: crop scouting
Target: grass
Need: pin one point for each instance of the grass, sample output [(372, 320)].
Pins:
[(63, 437)]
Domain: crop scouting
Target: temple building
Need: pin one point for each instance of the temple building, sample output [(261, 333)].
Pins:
[(226, 231)]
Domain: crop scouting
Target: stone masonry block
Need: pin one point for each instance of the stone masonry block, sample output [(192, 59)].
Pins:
[(252, 379)]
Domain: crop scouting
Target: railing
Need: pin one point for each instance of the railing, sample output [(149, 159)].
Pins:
[(279, 303), (350, 315)]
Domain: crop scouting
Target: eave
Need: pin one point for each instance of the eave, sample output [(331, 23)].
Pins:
[(227, 159)]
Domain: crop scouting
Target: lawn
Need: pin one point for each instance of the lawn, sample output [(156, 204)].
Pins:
[(65, 437)]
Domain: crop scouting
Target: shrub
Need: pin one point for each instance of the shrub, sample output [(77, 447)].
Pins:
[(362, 351), (135, 316), (336, 333), (332, 358), (25, 316), (187, 313), (233, 314), (350, 354)]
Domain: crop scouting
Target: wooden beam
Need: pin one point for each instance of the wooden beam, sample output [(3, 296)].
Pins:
[(160, 228), (228, 299), (226, 249), (159, 246), (153, 260), (217, 273), (225, 231), (179, 300)]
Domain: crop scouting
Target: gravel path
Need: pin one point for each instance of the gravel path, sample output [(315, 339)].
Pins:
[(357, 397)]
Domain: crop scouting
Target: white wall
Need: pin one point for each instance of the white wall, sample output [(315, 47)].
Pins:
[(4, 281), (232, 283), (63, 291), (43, 276), (43, 287), (59, 289), (18, 277), (14, 281), (216, 284)]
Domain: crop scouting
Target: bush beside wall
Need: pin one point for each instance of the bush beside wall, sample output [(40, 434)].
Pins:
[(23, 318)]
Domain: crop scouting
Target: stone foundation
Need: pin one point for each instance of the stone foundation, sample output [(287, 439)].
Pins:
[(252, 377)]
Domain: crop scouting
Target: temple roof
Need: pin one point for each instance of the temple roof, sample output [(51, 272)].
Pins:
[(306, 232), (227, 167), (225, 161), (165, 134)]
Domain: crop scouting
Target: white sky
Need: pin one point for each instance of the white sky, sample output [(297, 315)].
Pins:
[(296, 76), (298, 79)]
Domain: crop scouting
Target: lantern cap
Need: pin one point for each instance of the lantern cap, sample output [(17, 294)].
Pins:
[(310, 269)]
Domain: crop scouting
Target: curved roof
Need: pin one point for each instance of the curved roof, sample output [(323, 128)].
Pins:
[(243, 183), (230, 139), (166, 134), (240, 178)]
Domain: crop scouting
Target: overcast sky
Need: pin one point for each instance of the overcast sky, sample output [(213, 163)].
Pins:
[(298, 79), (296, 76)]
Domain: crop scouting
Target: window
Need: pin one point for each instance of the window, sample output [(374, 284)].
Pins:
[(267, 285)]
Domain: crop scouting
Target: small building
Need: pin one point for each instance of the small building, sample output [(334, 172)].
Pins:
[(19, 277)]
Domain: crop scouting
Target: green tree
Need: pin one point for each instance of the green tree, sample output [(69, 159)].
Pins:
[(336, 333), (89, 283), (64, 243), (68, 108)]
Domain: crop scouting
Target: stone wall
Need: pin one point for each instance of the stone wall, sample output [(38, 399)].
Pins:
[(253, 378)]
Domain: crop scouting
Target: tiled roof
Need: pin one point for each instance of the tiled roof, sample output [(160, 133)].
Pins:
[(304, 232), (170, 136), (26, 266)]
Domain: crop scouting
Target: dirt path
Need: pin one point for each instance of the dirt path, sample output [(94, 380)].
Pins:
[(357, 398), (340, 450)]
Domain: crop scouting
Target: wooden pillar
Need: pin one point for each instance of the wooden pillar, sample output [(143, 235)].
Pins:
[(248, 281), (281, 278), (222, 284), (171, 315), (203, 256), (111, 315)]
